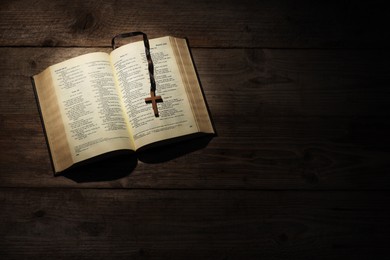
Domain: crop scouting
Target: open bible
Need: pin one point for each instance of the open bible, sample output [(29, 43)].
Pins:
[(97, 103)]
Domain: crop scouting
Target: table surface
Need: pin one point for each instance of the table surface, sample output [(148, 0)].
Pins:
[(300, 166)]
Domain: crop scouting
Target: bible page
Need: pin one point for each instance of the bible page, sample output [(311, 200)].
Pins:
[(131, 72), (89, 104)]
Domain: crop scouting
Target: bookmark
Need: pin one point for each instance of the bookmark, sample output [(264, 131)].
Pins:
[(153, 98)]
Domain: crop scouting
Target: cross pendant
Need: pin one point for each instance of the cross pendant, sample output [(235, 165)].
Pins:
[(154, 100)]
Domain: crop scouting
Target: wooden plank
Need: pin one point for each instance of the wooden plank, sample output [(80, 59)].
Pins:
[(306, 153), (319, 120), (123, 224), (207, 23), (283, 83)]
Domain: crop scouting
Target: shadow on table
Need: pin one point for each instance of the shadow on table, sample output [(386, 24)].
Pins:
[(106, 167), (174, 148), (119, 164)]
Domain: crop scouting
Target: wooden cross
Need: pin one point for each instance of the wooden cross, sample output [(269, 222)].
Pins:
[(154, 100)]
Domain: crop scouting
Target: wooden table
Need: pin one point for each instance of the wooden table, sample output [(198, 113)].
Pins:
[(300, 168)]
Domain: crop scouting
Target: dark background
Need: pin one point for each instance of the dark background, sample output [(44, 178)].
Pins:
[(298, 92)]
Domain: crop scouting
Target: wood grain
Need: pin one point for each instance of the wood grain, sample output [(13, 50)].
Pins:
[(314, 119), (207, 23), (283, 83), (288, 154), (152, 224), (298, 92)]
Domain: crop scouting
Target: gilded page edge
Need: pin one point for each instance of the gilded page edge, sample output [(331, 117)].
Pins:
[(52, 119), (191, 83)]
